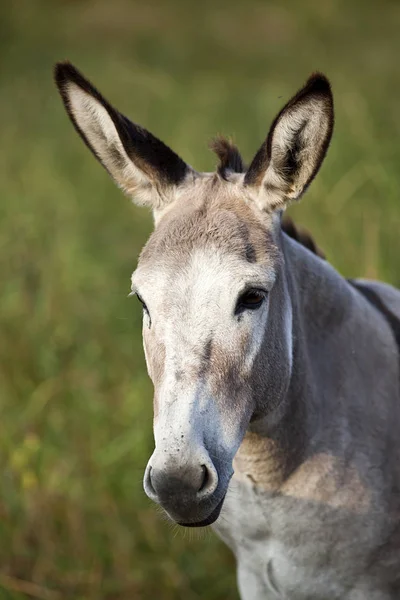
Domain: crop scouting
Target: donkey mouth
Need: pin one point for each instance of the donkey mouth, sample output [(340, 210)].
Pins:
[(209, 520)]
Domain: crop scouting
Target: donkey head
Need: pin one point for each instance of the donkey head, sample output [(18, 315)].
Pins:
[(217, 318)]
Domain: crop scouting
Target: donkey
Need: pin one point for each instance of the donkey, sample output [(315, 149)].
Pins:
[(276, 381)]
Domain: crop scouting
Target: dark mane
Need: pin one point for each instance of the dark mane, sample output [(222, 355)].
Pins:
[(229, 156), (301, 235)]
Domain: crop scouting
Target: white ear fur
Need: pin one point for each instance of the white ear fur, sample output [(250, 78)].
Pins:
[(142, 165), (295, 147), (98, 128), (309, 124)]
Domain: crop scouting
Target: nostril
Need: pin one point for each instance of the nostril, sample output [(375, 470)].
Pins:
[(205, 479), (148, 484), (209, 482)]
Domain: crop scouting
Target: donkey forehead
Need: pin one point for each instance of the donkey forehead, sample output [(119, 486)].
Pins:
[(219, 221)]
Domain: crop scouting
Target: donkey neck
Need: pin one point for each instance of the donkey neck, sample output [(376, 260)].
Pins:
[(331, 324)]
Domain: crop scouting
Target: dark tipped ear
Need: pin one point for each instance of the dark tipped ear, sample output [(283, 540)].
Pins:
[(142, 165), (295, 147)]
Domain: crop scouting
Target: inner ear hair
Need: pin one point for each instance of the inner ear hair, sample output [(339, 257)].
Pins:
[(296, 145)]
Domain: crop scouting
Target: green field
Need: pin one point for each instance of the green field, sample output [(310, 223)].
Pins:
[(75, 401)]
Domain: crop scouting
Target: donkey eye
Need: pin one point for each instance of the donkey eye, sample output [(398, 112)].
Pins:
[(250, 300)]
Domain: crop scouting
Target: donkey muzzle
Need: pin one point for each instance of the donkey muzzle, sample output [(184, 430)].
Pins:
[(187, 490)]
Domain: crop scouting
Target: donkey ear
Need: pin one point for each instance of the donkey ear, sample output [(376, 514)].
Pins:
[(142, 165), (295, 147)]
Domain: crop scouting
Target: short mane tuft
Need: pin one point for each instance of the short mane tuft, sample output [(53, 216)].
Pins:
[(301, 235), (229, 156)]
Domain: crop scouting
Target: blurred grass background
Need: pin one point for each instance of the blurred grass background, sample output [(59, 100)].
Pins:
[(75, 402)]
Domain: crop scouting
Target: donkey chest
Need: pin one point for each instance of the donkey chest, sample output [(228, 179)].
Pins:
[(296, 549)]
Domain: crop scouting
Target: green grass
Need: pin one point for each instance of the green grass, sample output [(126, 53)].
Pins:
[(75, 402)]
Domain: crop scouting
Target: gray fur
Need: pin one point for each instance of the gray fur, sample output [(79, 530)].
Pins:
[(315, 495), (278, 425)]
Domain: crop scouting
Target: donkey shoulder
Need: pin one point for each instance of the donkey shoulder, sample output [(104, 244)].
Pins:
[(385, 297), (387, 293)]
